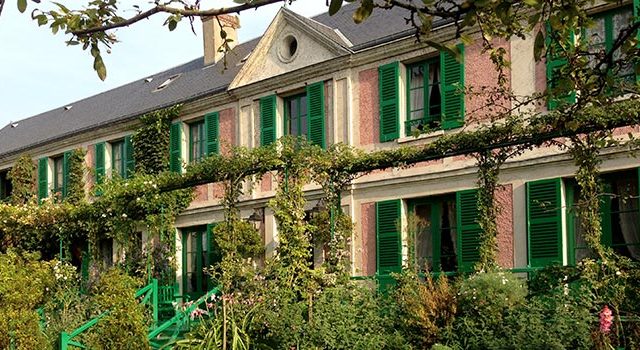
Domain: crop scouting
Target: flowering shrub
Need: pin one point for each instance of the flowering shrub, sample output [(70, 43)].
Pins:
[(425, 308), (24, 281)]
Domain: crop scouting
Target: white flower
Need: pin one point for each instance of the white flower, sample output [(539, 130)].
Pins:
[(124, 215)]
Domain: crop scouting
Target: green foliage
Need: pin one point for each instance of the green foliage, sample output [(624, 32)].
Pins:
[(151, 140), (350, 316), (425, 309), (65, 308), (75, 184), (485, 300), (495, 313), (24, 282), (125, 322), (222, 323), (347, 316), (23, 181)]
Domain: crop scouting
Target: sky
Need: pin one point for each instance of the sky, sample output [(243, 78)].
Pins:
[(39, 72)]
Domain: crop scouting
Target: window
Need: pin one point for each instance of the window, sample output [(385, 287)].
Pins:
[(118, 166), (121, 163), (444, 230), (58, 175), (423, 96), (202, 139), (620, 216), (5, 185), (197, 141), (304, 115), (295, 112), (433, 228), (601, 36), (199, 251), (434, 95)]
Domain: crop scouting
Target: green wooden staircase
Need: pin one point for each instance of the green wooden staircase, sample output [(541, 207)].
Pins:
[(168, 323)]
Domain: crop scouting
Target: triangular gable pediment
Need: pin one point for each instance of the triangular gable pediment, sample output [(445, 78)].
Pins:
[(290, 42)]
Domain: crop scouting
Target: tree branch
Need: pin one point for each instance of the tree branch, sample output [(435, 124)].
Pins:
[(176, 11)]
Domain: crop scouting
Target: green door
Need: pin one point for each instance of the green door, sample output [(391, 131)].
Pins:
[(195, 258)]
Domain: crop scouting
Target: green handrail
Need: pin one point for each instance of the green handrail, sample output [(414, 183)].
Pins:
[(149, 291), (180, 318)]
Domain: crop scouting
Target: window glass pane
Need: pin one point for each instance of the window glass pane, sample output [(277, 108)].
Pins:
[(205, 261), (624, 215), (434, 92), (303, 116), (292, 117), (117, 158), (59, 174), (196, 134), (423, 237), (191, 262), (416, 78), (621, 20), (303, 104), (416, 91), (416, 98), (448, 260)]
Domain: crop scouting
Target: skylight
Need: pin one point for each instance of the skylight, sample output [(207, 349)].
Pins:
[(167, 82)]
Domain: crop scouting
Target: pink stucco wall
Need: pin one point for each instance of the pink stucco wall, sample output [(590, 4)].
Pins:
[(201, 193), (227, 129), (217, 190), (265, 183), (369, 125), (504, 200), (481, 75), (368, 225)]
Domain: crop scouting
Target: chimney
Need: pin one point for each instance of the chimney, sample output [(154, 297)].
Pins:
[(211, 28)]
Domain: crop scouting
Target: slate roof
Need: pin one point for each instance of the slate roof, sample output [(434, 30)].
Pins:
[(138, 97)]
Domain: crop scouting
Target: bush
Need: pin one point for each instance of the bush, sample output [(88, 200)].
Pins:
[(24, 281), (424, 308), (125, 322), (350, 316), (485, 300), (494, 313)]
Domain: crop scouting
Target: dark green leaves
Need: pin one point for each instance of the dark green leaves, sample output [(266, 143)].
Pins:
[(22, 5), (335, 6), (363, 12)]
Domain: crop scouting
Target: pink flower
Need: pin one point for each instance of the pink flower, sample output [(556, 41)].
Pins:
[(606, 319)]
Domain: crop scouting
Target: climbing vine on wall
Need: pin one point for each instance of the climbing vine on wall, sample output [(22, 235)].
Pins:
[(151, 140), (75, 181), (23, 181)]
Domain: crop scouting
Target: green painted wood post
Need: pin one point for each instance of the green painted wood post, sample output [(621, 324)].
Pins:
[(154, 298), (64, 340)]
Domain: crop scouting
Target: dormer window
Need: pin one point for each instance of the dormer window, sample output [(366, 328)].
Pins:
[(167, 82)]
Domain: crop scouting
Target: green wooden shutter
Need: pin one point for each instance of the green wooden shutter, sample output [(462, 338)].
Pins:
[(468, 229), (315, 112), (267, 120), (175, 147), (389, 101), (544, 222), (65, 173), (452, 72), (99, 162), (212, 125), (43, 178), (214, 255), (555, 62), (129, 160), (388, 243)]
